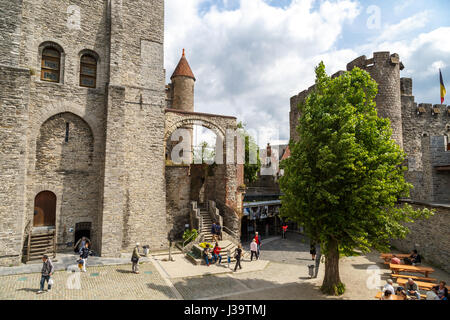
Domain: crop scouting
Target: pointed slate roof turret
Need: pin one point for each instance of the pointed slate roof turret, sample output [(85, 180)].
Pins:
[(183, 69)]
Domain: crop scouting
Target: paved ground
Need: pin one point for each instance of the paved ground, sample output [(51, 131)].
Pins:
[(281, 274), (104, 283)]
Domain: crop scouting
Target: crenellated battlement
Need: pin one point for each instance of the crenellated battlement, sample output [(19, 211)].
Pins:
[(379, 60)]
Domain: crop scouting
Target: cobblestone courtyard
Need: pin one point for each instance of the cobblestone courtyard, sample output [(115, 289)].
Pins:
[(282, 277)]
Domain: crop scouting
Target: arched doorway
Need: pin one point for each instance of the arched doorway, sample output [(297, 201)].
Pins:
[(44, 209)]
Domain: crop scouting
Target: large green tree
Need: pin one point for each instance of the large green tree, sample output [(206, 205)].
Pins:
[(345, 174)]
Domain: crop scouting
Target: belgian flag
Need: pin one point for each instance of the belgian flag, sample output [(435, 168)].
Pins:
[(443, 92)]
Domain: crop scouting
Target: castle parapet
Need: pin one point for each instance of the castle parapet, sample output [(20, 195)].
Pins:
[(406, 86)]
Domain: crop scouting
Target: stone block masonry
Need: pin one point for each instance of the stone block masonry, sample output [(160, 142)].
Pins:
[(14, 99), (429, 237)]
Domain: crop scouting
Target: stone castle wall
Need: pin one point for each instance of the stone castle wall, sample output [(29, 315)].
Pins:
[(134, 197), (14, 99), (111, 172), (429, 236), (178, 185)]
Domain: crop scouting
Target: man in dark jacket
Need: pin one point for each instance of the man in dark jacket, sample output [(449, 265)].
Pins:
[(84, 254), (46, 273), (213, 232)]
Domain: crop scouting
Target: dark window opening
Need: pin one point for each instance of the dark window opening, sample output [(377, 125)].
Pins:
[(88, 71), (67, 132)]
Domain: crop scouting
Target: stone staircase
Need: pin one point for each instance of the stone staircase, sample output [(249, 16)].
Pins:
[(206, 225), (38, 243)]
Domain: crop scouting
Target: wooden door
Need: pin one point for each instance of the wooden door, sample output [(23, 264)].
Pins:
[(44, 209)]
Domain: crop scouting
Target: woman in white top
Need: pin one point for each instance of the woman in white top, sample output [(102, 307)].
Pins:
[(254, 249)]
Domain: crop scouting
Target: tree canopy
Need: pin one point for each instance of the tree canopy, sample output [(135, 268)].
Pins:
[(250, 169), (345, 175)]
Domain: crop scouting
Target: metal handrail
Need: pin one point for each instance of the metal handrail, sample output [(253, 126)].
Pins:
[(187, 240), (229, 231)]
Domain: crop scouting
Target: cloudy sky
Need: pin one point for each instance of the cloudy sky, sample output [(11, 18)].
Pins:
[(251, 56)]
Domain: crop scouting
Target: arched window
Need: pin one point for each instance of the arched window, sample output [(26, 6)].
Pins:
[(88, 71), (51, 65)]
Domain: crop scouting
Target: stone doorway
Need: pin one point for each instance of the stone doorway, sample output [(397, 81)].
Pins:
[(82, 229), (44, 209)]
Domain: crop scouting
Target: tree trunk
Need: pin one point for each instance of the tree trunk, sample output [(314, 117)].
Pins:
[(332, 284)]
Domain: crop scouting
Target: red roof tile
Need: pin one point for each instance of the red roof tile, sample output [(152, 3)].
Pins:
[(183, 69)]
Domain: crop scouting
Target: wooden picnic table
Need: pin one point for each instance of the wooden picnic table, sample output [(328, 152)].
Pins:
[(388, 256), (422, 285), (396, 268), (406, 276), (394, 297)]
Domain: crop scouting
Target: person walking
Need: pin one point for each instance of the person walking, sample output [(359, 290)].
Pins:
[(283, 233), (228, 258), (81, 243), (135, 259), (218, 231), (46, 273), (253, 250), (213, 231), (237, 256), (312, 250), (84, 254), (317, 262), (258, 242)]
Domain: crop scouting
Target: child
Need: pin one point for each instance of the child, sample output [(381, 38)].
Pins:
[(229, 258)]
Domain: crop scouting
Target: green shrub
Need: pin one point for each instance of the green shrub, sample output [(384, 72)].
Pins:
[(190, 233)]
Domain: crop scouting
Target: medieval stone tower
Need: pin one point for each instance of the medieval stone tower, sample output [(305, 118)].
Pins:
[(181, 90), (385, 68), (82, 101)]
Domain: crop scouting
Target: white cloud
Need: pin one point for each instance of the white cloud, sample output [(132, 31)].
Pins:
[(405, 26), (249, 61)]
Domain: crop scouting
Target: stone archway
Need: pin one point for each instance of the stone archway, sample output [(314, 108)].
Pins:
[(65, 160), (222, 179)]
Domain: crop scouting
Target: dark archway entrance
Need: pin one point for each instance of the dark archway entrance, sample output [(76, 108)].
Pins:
[(44, 209), (83, 229)]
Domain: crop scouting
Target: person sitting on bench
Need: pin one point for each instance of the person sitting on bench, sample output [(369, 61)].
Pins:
[(395, 260), (441, 291), (414, 259), (412, 289)]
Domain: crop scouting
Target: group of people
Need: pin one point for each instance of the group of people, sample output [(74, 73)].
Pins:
[(414, 259), (216, 231), (411, 292), (213, 254), (82, 248)]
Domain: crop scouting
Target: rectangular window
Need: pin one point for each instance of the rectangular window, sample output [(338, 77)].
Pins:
[(51, 63)]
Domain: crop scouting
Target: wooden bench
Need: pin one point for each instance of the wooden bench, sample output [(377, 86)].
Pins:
[(394, 297), (398, 297), (396, 268), (420, 284), (405, 276)]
